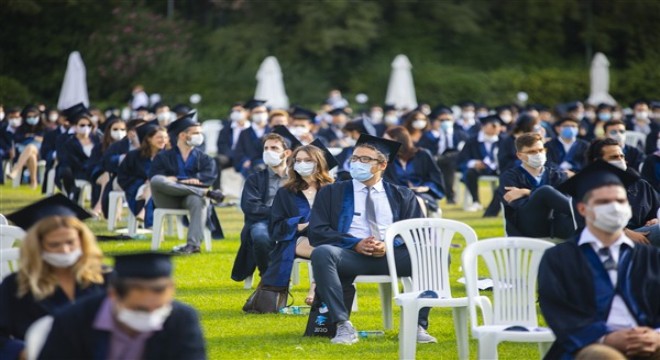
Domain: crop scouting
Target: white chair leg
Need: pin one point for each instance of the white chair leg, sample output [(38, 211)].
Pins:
[(295, 274), (311, 272), (157, 233), (179, 227), (408, 331), (16, 182), (50, 182), (461, 329), (354, 307), (41, 169), (113, 199), (132, 224), (207, 239), (170, 226), (248, 282), (467, 198), (386, 303), (544, 347), (487, 347)]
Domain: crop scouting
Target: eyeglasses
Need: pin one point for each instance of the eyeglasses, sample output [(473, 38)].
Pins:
[(306, 161), (533, 152), (363, 159)]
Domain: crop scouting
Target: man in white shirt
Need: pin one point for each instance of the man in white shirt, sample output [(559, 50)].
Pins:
[(602, 288)]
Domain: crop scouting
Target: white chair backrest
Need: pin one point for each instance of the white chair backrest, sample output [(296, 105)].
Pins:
[(3, 220), (211, 129), (10, 236), (635, 139), (36, 335), (512, 263), (428, 242)]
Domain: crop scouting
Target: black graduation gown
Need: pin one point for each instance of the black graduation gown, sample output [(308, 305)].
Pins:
[(476, 150), (203, 168), (344, 161), (634, 157), (577, 154), (432, 143), (110, 163), (17, 314), (250, 148), (421, 170), (74, 337), (506, 157), (254, 209), (6, 144), (289, 209), (226, 140), (651, 145), (133, 174), (73, 157), (334, 209), (51, 147), (328, 136), (520, 178), (651, 170), (567, 295)]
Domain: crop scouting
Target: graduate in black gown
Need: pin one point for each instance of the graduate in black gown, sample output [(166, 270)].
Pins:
[(27, 142), (134, 169), (651, 170), (247, 152), (507, 157), (60, 263), (415, 168), (601, 287), (228, 138), (616, 129), (532, 205), (115, 131), (566, 151)]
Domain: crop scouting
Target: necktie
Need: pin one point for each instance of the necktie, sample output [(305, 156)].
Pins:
[(609, 263), (371, 215)]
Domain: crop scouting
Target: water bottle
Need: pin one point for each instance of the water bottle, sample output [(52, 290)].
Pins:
[(371, 333), (295, 310)]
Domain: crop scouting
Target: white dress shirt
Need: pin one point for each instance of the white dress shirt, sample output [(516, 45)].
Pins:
[(359, 226), (237, 132), (619, 317)]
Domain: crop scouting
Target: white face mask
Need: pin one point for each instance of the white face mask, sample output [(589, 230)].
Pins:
[(236, 116), (195, 140), (272, 158), (83, 130), (94, 119), (53, 117), (536, 161), (350, 142), (15, 122), (164, 118), (506, 118), (298, 131), (376, 117), (304, 169), (419, 124), (117, 134), (259, 118), (144, 321), (621, 164), (620, 138), (611, 217), (490, 138), (468, 115), (2, 116), (642, 115), (33, 120), (391, 120), (61, 260)]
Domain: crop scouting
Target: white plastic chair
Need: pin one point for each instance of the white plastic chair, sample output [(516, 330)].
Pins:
[(513, 265), (635, 139), (85, 191), (115, 198), (159, 217), (3, 220), (36, 335), (211, 129), (41, 169), (50, 182), (9, 237), (385, 291), (428, 242), (295, 272)]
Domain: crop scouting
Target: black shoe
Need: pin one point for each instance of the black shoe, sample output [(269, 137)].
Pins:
[(215, 195), (186, 250)]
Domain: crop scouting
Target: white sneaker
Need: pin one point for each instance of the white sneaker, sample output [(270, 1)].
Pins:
[(423, 337), (474, 207), (346, 334)]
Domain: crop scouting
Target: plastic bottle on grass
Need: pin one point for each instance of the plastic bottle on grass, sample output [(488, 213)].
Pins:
[(370, 333)]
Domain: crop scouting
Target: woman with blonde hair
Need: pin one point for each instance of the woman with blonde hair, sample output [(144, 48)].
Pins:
[(309, 170), (60, 263)]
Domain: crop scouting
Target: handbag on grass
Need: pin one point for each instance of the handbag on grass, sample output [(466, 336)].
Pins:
[(318, 323), (267, 299)]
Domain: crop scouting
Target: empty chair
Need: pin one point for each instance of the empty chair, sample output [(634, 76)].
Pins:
[(512, 264), (428, 242), (9, 237)]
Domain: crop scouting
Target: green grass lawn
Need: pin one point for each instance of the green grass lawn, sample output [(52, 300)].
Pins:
[(204, 282)]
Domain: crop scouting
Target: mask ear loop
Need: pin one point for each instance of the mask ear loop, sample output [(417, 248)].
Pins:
[(570, 205)]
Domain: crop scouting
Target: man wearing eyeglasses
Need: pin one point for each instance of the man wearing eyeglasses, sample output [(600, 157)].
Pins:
[(347, 228), (137, 319), (616, 129), (532, 205)]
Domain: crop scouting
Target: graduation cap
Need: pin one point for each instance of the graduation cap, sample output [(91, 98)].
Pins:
[(388, 108), (440, 110), (524, 119), (467, 103), (142, 108), (29, 108), (491, 119), (572, 106), (564, 119), (181, 109), (144, 129), (603, 106), (148, 265), (302, 113), (329, 158), (254, 103), (56, 205), (356, 125), (289, 138), (594, 176), (389, 148), (181, 124), (73, 112), (337, 111)]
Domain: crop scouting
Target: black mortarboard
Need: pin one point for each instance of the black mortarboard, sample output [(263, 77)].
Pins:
[(253, 103), (440, 110), (291, 140), (337, 111), (142, 108), (302, 113), (181, 109), (149, 265), (181, 124), (29, 108), (491, 119), (388, 108), (356, 125), (73, 113), (596, 175), (524, 119), (389, 148), (329, 158), (467, 103), (603, 106), (572, 106), (144, 129), (564, 119), (56, 205)]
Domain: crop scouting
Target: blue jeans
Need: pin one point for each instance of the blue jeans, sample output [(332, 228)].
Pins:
[(653, 233), (262, 245)]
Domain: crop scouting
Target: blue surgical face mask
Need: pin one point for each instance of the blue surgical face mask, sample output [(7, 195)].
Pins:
[(446, 125), (360, 171), (605, 116), (569, 132)]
